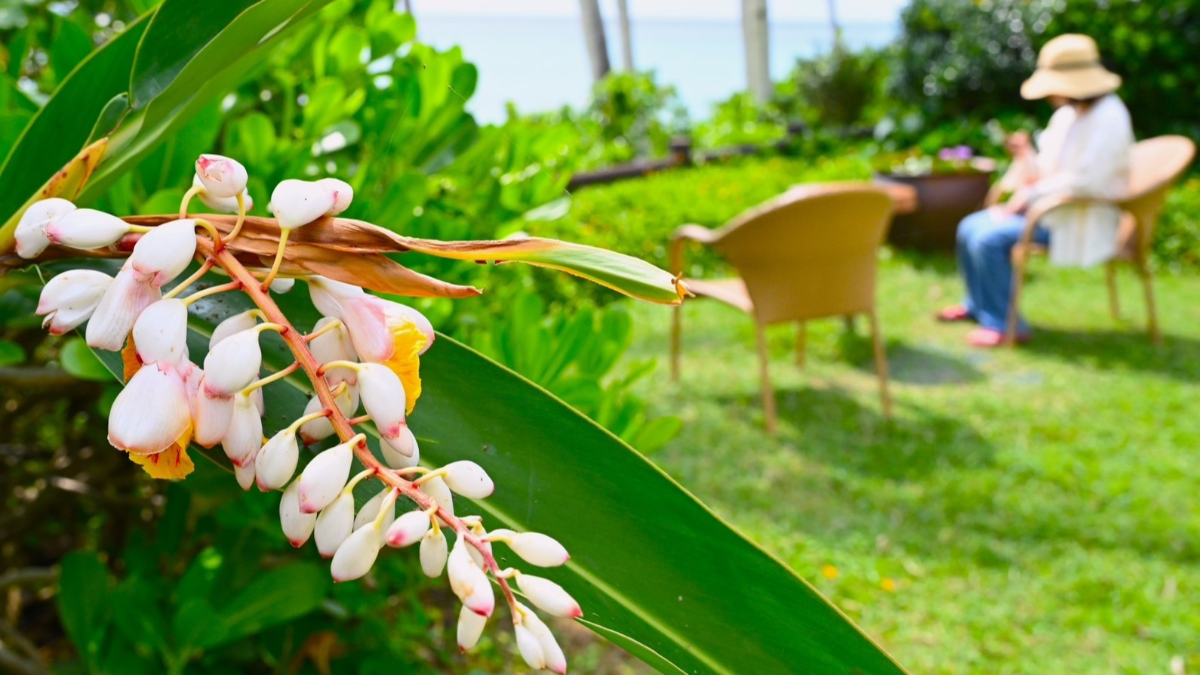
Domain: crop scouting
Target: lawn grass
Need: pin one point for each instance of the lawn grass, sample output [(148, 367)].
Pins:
[(1028, 511)]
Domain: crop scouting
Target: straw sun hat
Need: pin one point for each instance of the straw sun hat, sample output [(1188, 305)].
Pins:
[(1069, 65)]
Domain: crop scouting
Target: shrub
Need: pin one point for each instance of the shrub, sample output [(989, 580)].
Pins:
[(836, 89)]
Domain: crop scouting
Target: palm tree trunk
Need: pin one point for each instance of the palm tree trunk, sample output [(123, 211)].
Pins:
[(756, 36), (833, 24), (593, 35), (626, 36)]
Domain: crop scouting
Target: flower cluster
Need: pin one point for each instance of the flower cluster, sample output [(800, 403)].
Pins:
[(363, 354)]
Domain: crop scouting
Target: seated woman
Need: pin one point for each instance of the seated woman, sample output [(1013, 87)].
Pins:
[(1084, 152)]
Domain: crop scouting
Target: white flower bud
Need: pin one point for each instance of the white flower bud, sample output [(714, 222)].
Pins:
[(334, 345), (232, 364), (221, 176), (439, 492), (70, 298), (297, 525), (245, 475), (86, 229), (324, 477), (243, 437), (468, 581), (530, 647), (282, 286), (233, 324), (548, 596), (407, 529), (276, 461), (211, 416), (537, 549), (30, 235), (151, 412), (433, 553), (468, 479), (555, 660), (296, 203), (164, 252), (119, 307), (334, 524), (321, 428), (470, 627), (397, 460), (160, 332), (222, 204), (370, 510), (357, 554), (343, 194), (383, 397)]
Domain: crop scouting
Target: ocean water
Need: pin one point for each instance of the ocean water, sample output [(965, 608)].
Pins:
[(541, 64)]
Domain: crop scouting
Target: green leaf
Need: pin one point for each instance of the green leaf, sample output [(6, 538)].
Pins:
[(79, 360), (83, 601), (137, 614), (12, 353), (654, 569), (273, 598), (71, 45)]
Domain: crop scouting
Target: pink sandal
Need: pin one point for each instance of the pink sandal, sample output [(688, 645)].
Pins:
[(987, 338), (954, 313)]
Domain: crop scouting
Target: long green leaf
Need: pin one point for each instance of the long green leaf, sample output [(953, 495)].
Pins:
[(655, 571)]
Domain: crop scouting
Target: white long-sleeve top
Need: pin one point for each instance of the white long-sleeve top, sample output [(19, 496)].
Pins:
[(1084, 156)]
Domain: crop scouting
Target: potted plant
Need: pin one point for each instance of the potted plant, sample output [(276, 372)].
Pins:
[(949, 185)]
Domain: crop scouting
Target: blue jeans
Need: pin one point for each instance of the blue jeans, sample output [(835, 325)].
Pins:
[(985, 244)]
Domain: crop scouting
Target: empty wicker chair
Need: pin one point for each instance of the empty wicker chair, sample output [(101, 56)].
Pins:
[(1155, 165), (807, 254)]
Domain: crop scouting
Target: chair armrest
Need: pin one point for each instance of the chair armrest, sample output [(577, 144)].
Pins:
[(680, 238), (1038, 209)]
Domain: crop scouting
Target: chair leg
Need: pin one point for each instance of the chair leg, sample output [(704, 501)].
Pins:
[(768, 393), (1014, 302), (801, 342), (881, 364), (676, 330), (1151, 311), (1114, 301)]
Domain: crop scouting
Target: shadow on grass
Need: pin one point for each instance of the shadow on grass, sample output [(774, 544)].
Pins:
[(833, 428), (1176, 357)]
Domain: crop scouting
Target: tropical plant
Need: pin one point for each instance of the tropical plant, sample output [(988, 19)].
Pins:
[(477, 421)]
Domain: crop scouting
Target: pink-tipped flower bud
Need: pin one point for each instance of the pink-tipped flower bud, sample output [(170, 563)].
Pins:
[(370, 510), (398, 460), (334, 524), (553, 655), (536, 548), (468, 479), (321, 428), (383, 397), (548, 596), (356, 556), (119, 307), (232, 364), (211, 416), (86, 229), (233, 324), (440, 493), (408, 529), (323, 479), (343, 194), (160, 333), (468, 581), (470, 628), (70, 298), (30, 235), (433, 553), (276, 461), (164, 252), (282, 286), (221, 176), (243, 436), (297, 525), (245, 475), (530, 647), (296, 203), (221, 204)]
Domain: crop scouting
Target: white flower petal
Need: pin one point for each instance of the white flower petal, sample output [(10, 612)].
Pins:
[(118, 309), (323, 479), (233, 324), (244, 435), (408, 529), (334, 524), (400, 314), (370, 510), (245, 475), (160, 333), (357, 554), (222, 204), (232, 364), (86, 229), (548, 596), (367, 324), (30, 235), (211, 416), (468, 479), (296, 203), (439, 492), (276, 461), (297, 525), (221, 176), (343, 194), (334, 345), (530, 647), (70, 298), (538, 549), (151, 412), (433, 553), (383, 397), (164, 252), (329, 295), (470, 627), (555, 660), (282, 286), (321, 428), (468, 581)]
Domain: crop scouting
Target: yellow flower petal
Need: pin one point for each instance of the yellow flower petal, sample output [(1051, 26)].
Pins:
[(170, 464), (406, 360)]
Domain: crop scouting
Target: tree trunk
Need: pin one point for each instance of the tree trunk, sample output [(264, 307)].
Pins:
[(593, 35), (626, 36), (754, 29)]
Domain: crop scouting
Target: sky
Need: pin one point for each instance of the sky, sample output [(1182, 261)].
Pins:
[(849, 11)]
